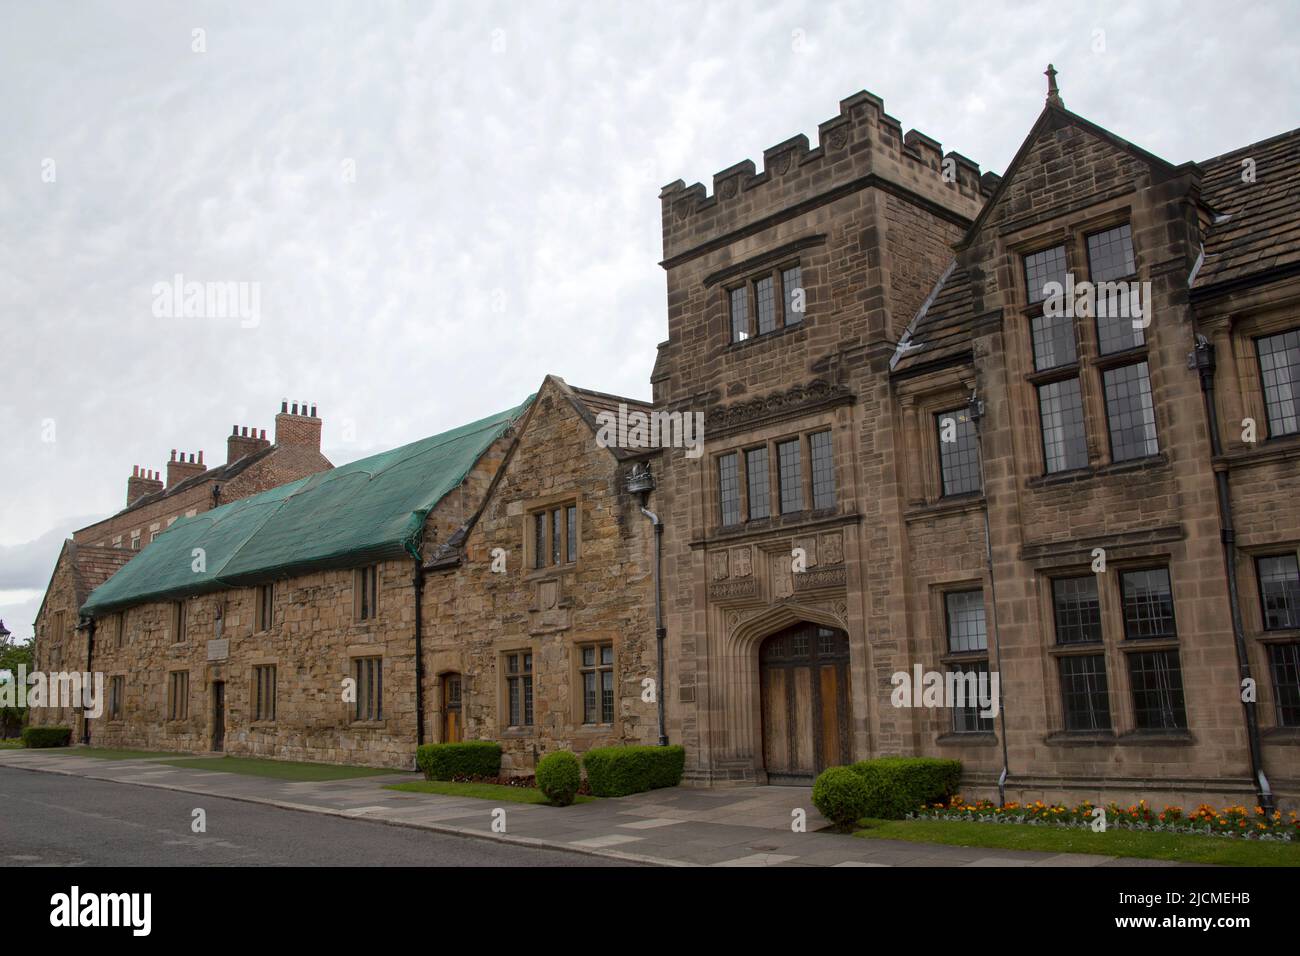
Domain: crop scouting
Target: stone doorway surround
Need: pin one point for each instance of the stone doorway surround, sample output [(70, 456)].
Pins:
[(734, 739)]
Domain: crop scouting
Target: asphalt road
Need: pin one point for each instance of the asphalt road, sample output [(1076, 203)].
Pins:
[(53, 820)]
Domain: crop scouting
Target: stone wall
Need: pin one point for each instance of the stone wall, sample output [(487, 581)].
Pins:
[(474, 617), (870, 217)]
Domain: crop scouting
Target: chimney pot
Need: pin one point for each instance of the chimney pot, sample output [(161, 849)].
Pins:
[(263, 434), (235, 430), (313, 411), (284, 407)]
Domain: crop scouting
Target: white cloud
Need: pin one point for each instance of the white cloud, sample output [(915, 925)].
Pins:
[(534, 170)]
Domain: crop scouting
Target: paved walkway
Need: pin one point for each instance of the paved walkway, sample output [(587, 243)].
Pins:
[(678, 827)]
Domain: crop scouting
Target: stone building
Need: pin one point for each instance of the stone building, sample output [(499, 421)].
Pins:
[(489, 582), (94, 553), (1032, 437), (787, 294), (553, 647), (284, 623), (253, 463), (927, 470)]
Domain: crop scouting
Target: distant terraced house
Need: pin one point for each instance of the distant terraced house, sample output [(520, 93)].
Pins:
[(95, 552), (909, 466)]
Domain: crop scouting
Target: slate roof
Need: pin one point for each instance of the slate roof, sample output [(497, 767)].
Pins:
[(1259, 223), (941, 329), (1257, 228)]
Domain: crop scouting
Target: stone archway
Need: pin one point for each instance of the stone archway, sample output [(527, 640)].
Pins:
[(804, 702), (738, 736)]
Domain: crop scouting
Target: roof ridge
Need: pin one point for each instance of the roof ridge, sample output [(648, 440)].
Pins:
[(621, 398), (1268, 141)]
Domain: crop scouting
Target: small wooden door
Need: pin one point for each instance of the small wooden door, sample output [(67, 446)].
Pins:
[(451, 716), (218, 715), (804, 686)]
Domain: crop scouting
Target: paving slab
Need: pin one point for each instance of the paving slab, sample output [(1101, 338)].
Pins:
[(683, 826)]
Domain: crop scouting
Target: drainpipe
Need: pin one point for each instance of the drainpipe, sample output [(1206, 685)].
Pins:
[(975, 409), (90, 658), (417, 581), (1202, 359), (641, 481)]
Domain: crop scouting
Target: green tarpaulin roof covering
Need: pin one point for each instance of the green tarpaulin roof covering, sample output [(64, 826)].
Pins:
[(365, 511)]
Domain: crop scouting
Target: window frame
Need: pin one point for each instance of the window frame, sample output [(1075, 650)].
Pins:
[(178, 695), (1259, 590), (1118, 649), (754, 477), (1256, 339), (524, 677), (365, 593), (1067, 467), (746, 291), (116, 696), (180, 622), (734, 457), (1091, 364), (546, 554), (964, 721), (1089, 694), (1286, 706), (739, 457), (799, 503), (1150, 407), (262, 693), (815, 502), (264, 610), (957, 414), (368, 708), (1124, 573), (598, 669)]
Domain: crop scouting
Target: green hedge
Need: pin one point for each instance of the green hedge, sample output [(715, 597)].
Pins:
[(558, 776), (841, 796), (896, 786), (47, 736), (618, 771), (472, 758)]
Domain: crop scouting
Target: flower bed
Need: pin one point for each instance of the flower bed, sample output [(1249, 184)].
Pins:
[(1229, 821)]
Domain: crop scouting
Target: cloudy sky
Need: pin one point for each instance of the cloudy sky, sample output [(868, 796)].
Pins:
[(440, 203)]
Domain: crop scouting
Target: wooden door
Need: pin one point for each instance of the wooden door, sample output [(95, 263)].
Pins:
[(451, 709), (218, 715), (804, 690)]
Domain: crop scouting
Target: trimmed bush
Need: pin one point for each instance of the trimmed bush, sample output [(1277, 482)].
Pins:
[(840, 795), (471, 758), (47, 736), (618, 771), (897, 786), (558, 776)]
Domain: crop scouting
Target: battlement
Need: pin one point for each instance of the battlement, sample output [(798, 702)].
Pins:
[(863, 140)]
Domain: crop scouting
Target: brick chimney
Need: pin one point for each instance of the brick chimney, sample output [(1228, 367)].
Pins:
[(297, 424), (141, 483), (244, 441), (178, 469)]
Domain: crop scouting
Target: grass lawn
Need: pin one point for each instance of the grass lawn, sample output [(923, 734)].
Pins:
[(483, 791), (277, 769), (1186, 848), (15, 744)]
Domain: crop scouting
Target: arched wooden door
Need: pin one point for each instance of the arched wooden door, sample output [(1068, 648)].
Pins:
[(452, 728), (804, 685)]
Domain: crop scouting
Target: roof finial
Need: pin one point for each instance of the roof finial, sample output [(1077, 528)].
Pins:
[(1053, 93)]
